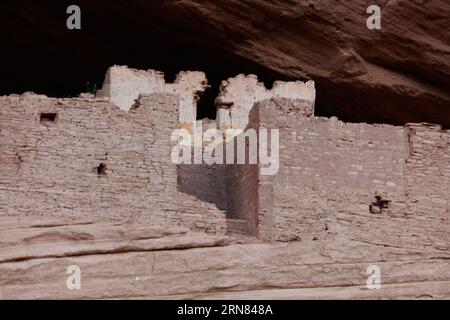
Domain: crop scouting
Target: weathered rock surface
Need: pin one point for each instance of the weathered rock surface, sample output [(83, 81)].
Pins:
[(68, 238), (130, 261), (398, 74)]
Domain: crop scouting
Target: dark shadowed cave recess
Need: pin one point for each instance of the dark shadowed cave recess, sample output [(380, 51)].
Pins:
[(40, 54), (66, 66)]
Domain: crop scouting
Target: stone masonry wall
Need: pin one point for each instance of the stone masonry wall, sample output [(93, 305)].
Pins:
[(242, 194), (106, 159), (428, 167), (123, 85), (356, 179), (218, 188), (238, 95), (88, 158), (233, 187)]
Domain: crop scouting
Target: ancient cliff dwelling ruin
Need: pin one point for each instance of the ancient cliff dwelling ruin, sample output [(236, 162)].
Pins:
[(108, 157), (345, 167)]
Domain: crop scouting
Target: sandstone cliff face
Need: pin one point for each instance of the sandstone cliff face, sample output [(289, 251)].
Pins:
[(394, 75), (174, 263), (398, 74), (133, 235)]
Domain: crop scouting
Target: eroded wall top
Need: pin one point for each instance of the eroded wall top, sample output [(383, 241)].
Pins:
[(239, 94), (123, 85)]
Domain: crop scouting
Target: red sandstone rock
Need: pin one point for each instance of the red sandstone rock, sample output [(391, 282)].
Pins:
[(134, 261), (354, 194), (395, 75), (398, 74), (88, 159)]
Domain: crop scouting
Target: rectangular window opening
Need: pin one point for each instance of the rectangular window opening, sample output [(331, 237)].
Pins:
[(48, 117)]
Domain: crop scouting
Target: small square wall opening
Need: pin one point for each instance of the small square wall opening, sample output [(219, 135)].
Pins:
[(47, 117), (101, 169)]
